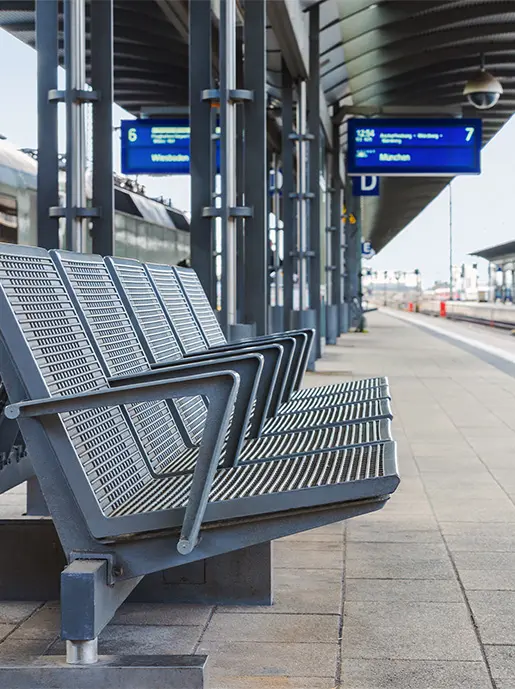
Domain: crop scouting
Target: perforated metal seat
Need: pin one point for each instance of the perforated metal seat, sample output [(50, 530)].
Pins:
[(90, 456), (344, 468), (214, 336), (104, 317), (333, 416), (338, 388)]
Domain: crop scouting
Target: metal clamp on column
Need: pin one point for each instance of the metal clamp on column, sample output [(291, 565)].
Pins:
[(234, 212), (301, 137), (233, 95), (302, 195), (62, 212), (76, 96), (302, 254)]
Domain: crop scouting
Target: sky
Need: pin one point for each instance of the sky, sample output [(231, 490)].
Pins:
[(483, 206)]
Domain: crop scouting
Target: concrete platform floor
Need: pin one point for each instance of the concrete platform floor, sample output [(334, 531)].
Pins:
[(418, 596)]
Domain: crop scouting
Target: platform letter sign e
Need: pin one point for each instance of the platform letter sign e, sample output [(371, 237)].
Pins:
[(365, 186)]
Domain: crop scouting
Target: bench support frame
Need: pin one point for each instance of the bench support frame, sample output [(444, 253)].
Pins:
[(240, 577)]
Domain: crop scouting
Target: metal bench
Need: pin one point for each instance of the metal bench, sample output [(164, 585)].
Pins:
[(366, 403), (135, 288), (117, 520), (206, 319), (104, 317)]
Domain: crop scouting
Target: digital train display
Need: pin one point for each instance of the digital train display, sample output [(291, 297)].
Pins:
[(157, 147), (421, 147)]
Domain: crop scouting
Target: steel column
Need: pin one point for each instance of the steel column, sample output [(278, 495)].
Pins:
[(302, 214), (75, 65), (228, 160), (240, 193), (314, 170), (288, 189), (102, 83), (336, 222), (302, 315), (277, 310), (48, 166), (200, 75), (256, 168)]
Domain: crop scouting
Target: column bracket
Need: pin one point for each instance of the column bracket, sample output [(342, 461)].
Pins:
[(60, 212), (77, 96), (302, 196), (301, 137), (234, 95), (234, 212)]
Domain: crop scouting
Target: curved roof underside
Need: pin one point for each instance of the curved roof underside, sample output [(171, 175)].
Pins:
[(417, 53), (385, 54)]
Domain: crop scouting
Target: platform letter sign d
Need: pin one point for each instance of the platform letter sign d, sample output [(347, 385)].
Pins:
[(365, 186)]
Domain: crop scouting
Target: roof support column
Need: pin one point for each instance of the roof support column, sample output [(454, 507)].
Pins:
[(256, 167), (240, 193), (302, 316), (277, 309), (337, 237), (102, 83), (48, 166), (314, 171), (353, 260), (76, 211), (201, 144), (289, 231)]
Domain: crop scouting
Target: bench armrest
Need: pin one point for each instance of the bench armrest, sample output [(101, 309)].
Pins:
[(297, 345), (248, 366), (219, 388)]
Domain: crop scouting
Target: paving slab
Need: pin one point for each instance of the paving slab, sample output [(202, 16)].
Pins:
[(479, 537), (273, 660), (24, 649), (398, 561), (403, 674), (285, 628), (501, 660), (162, 614), (13, 612), (308, 555), (5, 630), (43, 624), (494, 614), (409, 631), (414, 590), (490, 571)]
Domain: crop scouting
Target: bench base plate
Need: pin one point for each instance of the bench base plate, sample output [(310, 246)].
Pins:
[(242, 577), (129, 672)]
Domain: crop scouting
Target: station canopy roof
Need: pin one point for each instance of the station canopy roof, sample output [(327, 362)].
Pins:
[(387, 57), (502, 253)]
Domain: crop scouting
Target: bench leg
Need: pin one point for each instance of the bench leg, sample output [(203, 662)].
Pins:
[(88, 603)]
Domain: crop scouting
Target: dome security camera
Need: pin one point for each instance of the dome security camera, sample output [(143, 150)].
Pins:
[(483, 90)]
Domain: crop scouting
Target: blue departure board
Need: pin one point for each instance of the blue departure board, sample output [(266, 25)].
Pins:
[(157, 147), (406, 147)]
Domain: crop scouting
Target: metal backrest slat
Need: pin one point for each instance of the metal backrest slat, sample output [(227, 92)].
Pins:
[(200, 304), (166, 284)]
